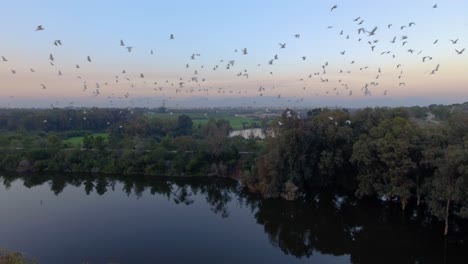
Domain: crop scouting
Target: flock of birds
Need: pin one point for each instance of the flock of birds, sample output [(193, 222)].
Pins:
[(196, 82)]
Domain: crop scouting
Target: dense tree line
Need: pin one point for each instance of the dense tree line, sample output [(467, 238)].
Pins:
[(386, 153), (140, 145)]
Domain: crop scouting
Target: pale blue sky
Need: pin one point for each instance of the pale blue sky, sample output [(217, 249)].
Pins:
[(215, 29)]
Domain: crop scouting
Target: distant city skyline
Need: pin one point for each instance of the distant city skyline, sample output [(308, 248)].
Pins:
[(420, 59)]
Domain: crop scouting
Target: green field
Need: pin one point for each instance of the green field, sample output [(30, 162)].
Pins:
[(79, 140), (200, 119)]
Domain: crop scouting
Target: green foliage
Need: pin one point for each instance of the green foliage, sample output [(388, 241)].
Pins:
[(387, 158), (8, 257)]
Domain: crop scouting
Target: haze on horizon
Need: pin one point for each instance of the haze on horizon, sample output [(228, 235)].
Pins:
[(326, 60)]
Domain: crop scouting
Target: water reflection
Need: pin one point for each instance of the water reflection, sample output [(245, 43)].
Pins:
[(332, 223)]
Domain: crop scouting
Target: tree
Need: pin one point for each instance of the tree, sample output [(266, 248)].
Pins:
[(449, 185), (387, 159), (184, 126)]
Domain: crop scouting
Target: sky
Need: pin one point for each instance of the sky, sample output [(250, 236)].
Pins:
[(339, 68)]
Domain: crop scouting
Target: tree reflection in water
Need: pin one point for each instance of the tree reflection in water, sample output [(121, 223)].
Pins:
[(330, 222)]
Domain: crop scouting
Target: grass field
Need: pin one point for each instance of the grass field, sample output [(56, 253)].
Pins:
[(79, 140), (200, 119)]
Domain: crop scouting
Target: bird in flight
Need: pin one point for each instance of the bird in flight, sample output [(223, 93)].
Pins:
[(244, 51), (460, 51), (282, 45), (435, 42), (454, 41), (297, 36), (434, 6), (334, 7), (58, 42), (122, 43), (371, 33), (129, 48), (171, 36), (40, 27), (4, 59), (89, 58)]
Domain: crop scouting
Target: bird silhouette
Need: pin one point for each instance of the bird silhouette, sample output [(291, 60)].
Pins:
[(371, 33), (282, 45), (459, 52), (334, 7), (39, 28)]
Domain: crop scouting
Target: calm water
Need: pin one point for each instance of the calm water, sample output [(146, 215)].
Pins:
[(73, 219)]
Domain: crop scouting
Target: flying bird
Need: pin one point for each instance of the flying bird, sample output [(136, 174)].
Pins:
[(129, 48), (4, 59), (282, 45), (334, 7), (40, 27), (171, 36), (460, 51), (454, 41), (89, 58), (371, 33), (122, 43)]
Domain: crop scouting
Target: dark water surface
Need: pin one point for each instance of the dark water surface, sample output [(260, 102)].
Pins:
[(74, 219)]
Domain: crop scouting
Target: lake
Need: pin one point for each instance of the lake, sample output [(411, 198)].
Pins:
[(130, 219)]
